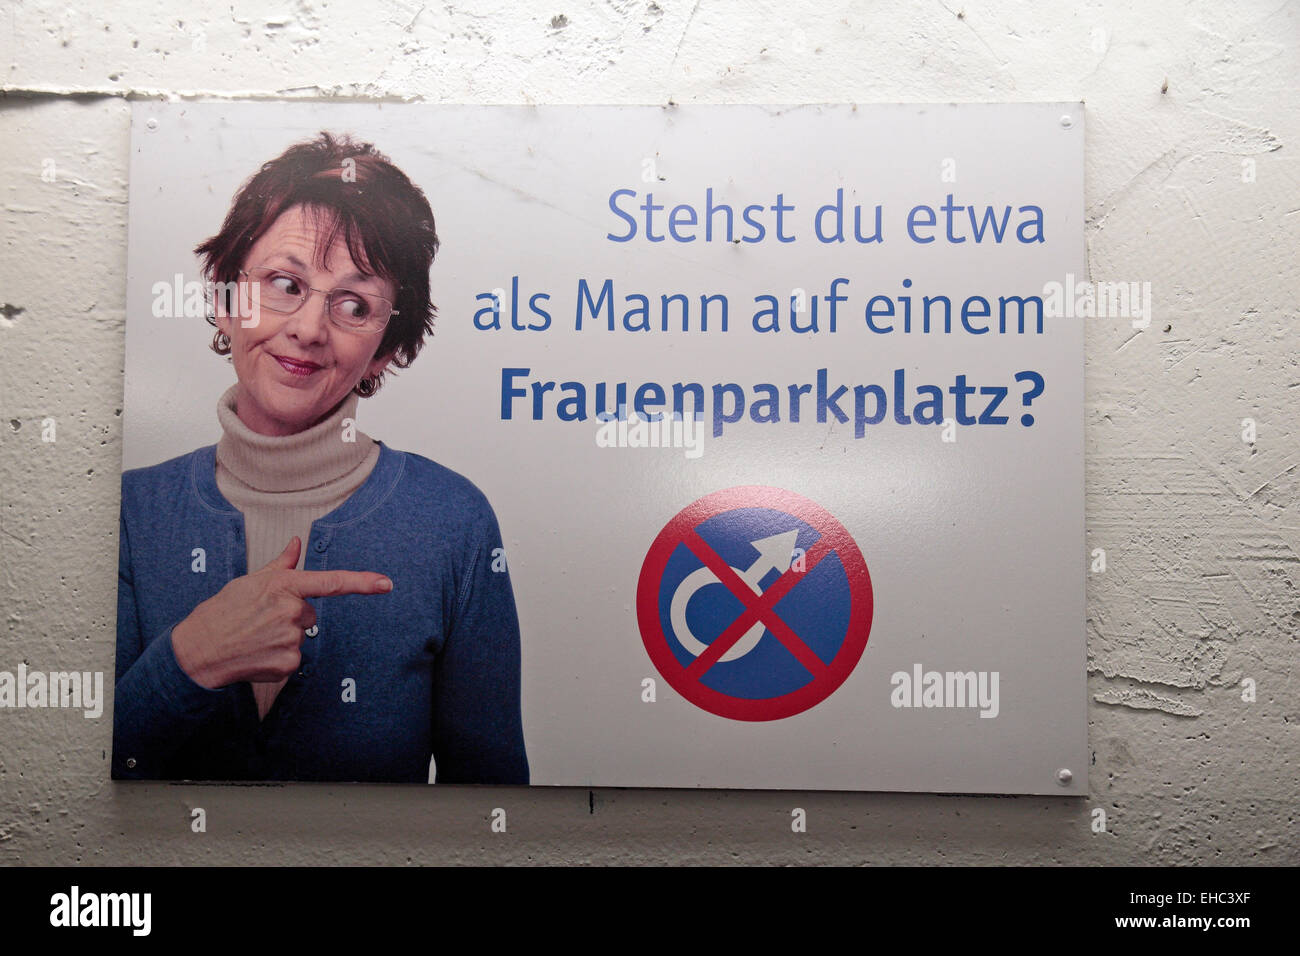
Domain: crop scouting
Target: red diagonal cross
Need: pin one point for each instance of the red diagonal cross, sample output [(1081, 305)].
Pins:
[(758, 607)]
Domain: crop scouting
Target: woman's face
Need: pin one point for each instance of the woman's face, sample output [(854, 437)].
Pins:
[(294, 369)]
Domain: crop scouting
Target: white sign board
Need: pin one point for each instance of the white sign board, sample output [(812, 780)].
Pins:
[(873, 496)]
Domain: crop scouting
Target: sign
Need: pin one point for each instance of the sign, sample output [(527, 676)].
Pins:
[(779, 409), (784, 625)]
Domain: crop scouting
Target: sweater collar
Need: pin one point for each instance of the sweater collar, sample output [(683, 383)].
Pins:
[(286, 463), (374, 490)]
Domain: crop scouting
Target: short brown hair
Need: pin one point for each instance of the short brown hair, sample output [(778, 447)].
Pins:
[(384, 218)]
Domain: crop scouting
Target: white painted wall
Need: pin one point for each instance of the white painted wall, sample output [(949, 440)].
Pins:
[(1201, 529)]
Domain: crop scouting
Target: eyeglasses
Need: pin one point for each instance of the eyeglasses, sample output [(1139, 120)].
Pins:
[(350, 311)]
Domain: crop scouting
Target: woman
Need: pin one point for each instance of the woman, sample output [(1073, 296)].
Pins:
[(378, 627)]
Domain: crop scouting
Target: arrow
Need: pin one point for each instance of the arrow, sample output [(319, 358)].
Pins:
[(774, 552)]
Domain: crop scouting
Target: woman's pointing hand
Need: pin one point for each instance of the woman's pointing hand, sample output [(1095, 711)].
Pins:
[(252, 629)]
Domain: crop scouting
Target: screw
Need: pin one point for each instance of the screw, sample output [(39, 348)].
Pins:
[(1064, 776)]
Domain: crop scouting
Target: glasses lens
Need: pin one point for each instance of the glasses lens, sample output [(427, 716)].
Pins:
[(359, 311), (278, 291)]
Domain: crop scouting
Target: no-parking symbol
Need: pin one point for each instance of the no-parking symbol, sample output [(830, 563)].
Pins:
[(754, 603)]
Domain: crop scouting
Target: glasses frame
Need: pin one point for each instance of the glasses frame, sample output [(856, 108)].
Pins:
[(329, 300)]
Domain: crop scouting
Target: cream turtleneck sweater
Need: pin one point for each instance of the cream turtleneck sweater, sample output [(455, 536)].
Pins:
[(283, 484)]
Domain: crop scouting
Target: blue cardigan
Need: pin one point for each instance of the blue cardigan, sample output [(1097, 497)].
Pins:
[(431, 668)]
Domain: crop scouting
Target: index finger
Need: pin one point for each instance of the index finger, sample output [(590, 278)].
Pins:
[(330, 583)]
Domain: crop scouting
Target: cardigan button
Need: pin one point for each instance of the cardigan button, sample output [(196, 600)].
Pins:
[(320, 545)]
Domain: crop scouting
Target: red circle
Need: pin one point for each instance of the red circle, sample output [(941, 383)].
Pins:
[(841, 543)]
